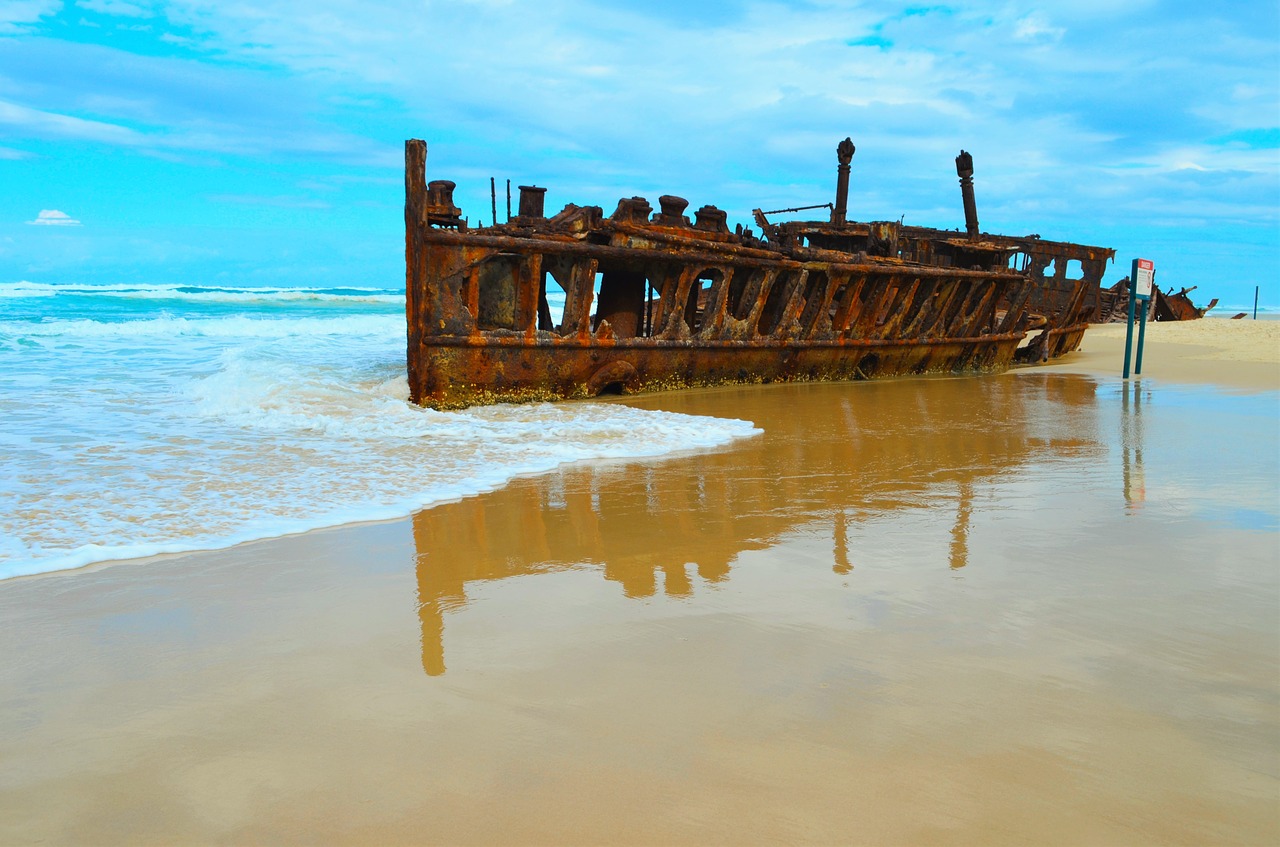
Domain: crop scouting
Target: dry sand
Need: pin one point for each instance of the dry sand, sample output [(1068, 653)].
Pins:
[(955, 611), (1216, 351)]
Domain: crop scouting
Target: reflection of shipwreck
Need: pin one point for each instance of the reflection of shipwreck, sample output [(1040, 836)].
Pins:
[(653, 300), (672, 527)]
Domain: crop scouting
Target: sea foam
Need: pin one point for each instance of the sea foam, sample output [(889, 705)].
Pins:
[(168, 326), (200, 293), (159, 427)]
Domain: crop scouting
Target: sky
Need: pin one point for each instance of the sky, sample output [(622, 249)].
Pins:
[(238, 143)]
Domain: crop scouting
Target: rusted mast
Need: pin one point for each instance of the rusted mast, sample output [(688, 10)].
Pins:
[(415, 216), (964, 170), (844, 150)]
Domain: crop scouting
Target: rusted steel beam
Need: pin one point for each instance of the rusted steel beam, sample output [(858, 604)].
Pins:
[(799, 209), (964, 170), (898, 310), (923, 309), (1015, 308), (739, 257), (415, 194), (942, 309), (846, 301), (844, 153)]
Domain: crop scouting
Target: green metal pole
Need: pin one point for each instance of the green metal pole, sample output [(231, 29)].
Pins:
[(1142, 331), (1128, 335)]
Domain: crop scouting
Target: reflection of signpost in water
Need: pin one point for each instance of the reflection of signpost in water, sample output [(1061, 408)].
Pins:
[(1131, 438), (960, 531), (1143, 276)]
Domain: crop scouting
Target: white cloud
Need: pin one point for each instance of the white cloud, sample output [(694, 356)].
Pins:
[(1035, 27), (17, 15), (119, 8), (179, 40), (65, 126), (192, 134), (279, 201), (1262, 163), (53, 217), (518, 84)]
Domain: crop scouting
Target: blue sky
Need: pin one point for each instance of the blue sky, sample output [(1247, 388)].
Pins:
[(242, 143)]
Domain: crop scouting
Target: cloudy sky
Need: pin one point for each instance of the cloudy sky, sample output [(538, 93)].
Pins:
[(262, 142)]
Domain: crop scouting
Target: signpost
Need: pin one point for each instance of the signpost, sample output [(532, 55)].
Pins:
[(1141, 281)]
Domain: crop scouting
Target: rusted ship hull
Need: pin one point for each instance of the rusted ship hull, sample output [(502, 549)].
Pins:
[(463, 372), (1178, 306), (1160, 307), (655, 302)]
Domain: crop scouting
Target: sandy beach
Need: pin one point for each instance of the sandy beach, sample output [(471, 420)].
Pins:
[(1243, 354), (1040, 607)]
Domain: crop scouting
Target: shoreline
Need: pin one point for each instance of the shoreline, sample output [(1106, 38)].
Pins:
[(1236, 355)]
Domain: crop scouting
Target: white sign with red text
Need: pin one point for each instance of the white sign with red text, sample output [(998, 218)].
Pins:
[(1145, 274)]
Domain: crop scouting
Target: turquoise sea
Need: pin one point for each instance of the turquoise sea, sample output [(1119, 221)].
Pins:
[(140, 419)]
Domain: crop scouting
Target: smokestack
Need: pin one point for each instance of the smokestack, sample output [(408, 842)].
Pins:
[(844, 150), (531, 201), (964, 170)]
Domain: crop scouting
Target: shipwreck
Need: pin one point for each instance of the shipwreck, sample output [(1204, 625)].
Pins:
[(654, 300), (1162, 305)]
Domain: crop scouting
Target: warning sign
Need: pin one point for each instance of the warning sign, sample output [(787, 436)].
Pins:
[(1144, 274)]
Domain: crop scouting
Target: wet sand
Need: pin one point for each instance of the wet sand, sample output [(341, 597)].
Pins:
[(1040, 607)]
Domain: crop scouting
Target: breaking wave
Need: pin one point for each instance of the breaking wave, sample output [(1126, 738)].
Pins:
[(159, 428), (205, 294)]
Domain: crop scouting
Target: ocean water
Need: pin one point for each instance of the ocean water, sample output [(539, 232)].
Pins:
[(143, 419)]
